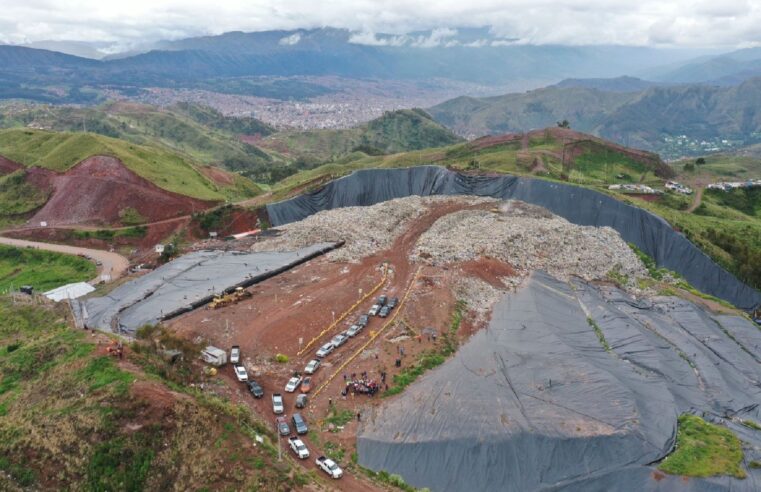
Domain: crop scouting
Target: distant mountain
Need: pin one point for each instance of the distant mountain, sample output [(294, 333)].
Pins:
[(709, 117), (697, 111), (96, 51), (726, 69), (617, 84), (395, 131), (473, 55), (584, 108)]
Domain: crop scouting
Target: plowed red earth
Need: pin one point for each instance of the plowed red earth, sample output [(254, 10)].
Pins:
[(96, 190), (300, 303)]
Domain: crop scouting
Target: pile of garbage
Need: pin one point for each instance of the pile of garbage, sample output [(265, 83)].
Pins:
[(366, 230), (529, 238)]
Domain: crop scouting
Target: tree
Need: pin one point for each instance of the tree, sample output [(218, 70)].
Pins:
[(689, 167), (700, 161), (564, 124)]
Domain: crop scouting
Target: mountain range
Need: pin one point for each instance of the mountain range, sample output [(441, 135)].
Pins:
[(651, 118), (473, 55)]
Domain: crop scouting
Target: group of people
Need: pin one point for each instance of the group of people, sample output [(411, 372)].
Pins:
[(362, 385)]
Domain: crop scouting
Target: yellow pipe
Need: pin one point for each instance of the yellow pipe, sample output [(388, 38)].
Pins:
[(347, 312)]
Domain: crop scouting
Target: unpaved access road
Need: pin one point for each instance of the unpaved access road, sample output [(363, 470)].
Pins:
[(112, 264)]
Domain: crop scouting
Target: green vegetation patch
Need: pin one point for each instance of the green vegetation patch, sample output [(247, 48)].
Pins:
[(704, 450), (599, 333), (17, 196), (430, 358), (109, 234), (44, 270)]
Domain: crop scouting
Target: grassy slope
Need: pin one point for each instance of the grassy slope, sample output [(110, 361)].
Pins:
[(720, 167), (74, 419), (61, 150), (704, 450), (17, 197), (396, 131), (504, 158), (44, 270), (196, 131)]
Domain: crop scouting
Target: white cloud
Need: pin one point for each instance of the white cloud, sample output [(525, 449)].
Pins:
[(726, 23), (372, 39), (290, 40), (438, 37)]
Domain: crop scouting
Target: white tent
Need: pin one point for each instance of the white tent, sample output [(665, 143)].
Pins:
[(69, 291)]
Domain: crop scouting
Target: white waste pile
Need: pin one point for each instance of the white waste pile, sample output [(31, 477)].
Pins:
[(366, 230), (528, 238)]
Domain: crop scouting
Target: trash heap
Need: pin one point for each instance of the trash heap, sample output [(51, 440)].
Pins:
[(366, 230), (528, 238)]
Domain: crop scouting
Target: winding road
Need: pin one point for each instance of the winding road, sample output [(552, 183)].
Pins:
[(112, 264)]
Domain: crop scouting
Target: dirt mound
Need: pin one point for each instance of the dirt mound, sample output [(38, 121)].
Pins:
[(219, 176), (99, 190), (7, 166)]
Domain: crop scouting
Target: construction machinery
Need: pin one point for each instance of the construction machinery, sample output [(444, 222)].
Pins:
[(230, 298)]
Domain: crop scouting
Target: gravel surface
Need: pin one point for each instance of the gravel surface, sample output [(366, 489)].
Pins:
[(366, 230)]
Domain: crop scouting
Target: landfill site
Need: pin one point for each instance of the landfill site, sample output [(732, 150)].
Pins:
[(559, 363)]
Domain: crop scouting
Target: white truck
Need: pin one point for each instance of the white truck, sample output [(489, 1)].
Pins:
[(298, 447), (214, 356), (235, 354), (292, 384), (329, 466), (241, 373)]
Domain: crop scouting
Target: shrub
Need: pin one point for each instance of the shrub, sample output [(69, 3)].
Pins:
[(281, 358)]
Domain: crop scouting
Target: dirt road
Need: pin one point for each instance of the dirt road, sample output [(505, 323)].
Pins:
[(113, 264), (696, 201)]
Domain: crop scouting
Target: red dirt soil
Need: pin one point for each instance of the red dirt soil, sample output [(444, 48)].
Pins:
[(299, 304), (7, 166), (97, 189)]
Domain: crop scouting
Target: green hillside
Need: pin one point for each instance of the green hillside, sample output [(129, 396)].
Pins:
[(73, 417), (719, 167), (198, 132), (395, 131), (60, 151), (44, 270)]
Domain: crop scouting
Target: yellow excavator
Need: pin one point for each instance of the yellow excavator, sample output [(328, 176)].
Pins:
[(227, 299)]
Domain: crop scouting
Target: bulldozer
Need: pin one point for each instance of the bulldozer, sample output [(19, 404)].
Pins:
[(233, 297)]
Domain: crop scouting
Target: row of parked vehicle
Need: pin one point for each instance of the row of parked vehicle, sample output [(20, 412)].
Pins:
[(281, 423), (324, 463), (382, 308)]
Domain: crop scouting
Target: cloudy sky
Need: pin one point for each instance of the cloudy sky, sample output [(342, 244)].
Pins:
[(689, 23)]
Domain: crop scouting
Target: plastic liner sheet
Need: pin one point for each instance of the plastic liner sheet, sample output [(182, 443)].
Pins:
[(537, 402), (653, 235), (186, 283)]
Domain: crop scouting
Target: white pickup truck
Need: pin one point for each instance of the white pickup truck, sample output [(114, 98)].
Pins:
[(298, 447), (329, 466)]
